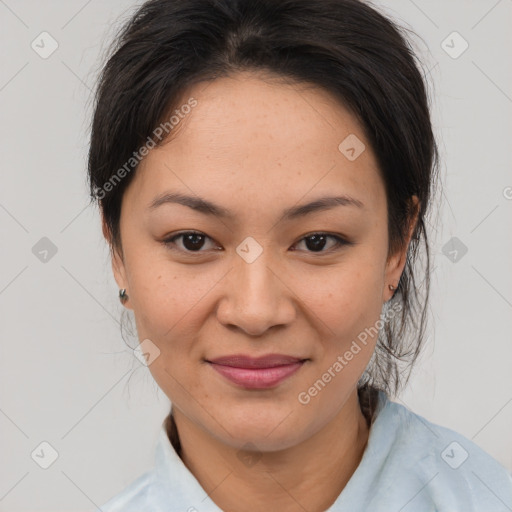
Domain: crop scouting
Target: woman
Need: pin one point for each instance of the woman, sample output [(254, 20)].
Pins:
[(264, 171)]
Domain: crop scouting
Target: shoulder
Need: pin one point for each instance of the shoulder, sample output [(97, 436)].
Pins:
[(454, 469), (169, 485), (133, 498)]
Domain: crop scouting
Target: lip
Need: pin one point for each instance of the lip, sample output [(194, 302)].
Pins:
[(257, 373)]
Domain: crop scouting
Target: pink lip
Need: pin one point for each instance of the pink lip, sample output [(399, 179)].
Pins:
[(257, 373)]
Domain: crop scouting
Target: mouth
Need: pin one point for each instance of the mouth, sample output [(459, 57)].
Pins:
[(257, 373)]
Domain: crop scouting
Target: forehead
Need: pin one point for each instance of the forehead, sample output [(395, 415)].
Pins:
[(258, 136)]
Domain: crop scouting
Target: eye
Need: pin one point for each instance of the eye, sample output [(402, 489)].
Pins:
[(192, 241), (316, 242)]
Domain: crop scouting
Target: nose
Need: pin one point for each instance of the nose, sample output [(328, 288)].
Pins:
[(256, 297)]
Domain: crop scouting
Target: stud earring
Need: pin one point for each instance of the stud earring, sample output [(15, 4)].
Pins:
[(391, 287), (123, 297)]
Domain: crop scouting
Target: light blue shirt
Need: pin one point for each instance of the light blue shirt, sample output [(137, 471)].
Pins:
[(409, 465)]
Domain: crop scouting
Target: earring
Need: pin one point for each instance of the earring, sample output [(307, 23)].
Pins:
[(391, 287), (122, 295)]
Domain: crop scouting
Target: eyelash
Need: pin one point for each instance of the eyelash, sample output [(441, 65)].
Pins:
[(170, 244)]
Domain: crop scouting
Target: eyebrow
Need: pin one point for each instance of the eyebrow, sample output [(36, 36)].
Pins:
[(208, 208)]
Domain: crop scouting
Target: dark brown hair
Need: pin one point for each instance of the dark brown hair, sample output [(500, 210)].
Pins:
[(345, 47)]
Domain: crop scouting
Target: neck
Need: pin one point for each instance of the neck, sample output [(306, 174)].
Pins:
[(310, 475)]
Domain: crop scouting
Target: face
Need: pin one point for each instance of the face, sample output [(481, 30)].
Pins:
[(259, 275)]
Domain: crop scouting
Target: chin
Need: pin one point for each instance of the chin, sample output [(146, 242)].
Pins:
[(268, 431)]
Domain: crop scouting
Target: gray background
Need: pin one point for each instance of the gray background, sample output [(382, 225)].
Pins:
[(68, 378)]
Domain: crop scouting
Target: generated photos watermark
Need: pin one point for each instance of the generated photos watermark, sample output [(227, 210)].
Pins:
[(159, 133), (342, 361)]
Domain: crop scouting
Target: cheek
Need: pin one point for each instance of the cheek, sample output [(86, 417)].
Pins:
[(346, 306), (172, 309), (167, 297), (170, 312), (346, 298)]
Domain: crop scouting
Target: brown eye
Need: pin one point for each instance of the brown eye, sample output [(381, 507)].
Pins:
[(192, 241), (316, 242)]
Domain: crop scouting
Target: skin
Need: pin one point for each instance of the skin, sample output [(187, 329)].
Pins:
[(256, 158)]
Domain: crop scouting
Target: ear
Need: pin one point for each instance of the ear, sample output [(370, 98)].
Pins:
[(117, 261), (396, 262)]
